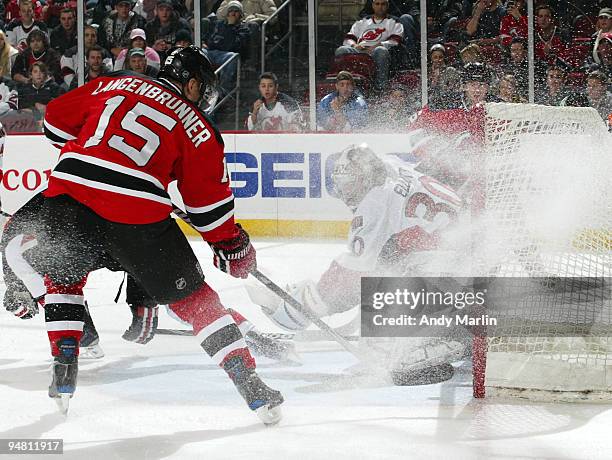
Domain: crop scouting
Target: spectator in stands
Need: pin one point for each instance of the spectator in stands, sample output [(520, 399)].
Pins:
[(228, 38), (517, 65), (138, 39), (604, 22), (514, 23), (601, 55), (375, 35), (161, 31), (18, 29), (274, 111), (36, 94), (343, 110), (64, 36), (183, 38), (477, 78), (9, 99), (255, 12), (551, 40), (94, 65), (38, 51), (442, 77), (507, 90), (13, 10), (393, 112), (8, 54), (555, 92), (68, 61), (137, 62), (114, 33), (471, 53), (484, 25), (52, 10), (599, 96)]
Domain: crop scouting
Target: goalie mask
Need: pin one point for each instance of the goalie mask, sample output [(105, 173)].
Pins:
[(356, 171)]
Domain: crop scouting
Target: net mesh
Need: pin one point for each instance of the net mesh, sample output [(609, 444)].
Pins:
[(547, 213)]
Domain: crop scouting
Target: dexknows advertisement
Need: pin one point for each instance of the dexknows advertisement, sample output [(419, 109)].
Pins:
[(274, 176)]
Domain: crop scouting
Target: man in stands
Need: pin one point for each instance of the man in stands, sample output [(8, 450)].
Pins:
[(274, 111), (161, 31), (95, 66), (228, 38), (17, 30), (376, 35), (550, 40), (517, 65), (555, 92), (599, 96), (64, 36), (115, 29), (68, 61), (345, 109), (137, 62), (113, 193), (485, 22), (514, 23)]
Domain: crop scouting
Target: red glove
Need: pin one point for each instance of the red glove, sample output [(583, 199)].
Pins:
[(235, 256)]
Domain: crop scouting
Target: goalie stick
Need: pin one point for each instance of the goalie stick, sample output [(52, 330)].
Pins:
[(298, 337)]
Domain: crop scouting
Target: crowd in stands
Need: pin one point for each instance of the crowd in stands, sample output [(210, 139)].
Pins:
[(478, 51)]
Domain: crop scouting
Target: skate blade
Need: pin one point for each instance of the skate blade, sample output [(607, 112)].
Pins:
[(93, 352), (63, 402), (269, 416)]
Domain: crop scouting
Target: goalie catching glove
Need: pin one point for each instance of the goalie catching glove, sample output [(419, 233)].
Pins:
[(283, 314), (235, 256)]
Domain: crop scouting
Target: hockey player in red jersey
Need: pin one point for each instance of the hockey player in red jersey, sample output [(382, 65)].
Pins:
[(124, 138), (394, 239)]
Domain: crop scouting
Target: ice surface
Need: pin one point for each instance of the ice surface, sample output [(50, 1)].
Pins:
[(167, 400)]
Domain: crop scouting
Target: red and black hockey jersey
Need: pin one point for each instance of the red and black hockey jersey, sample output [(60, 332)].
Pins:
[(124, 138)]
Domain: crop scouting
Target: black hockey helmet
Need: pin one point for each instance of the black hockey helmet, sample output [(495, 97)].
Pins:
[(183, 64)]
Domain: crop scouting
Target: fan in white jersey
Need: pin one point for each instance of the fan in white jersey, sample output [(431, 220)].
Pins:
[(274, 111), (399, 216), (375, 35)]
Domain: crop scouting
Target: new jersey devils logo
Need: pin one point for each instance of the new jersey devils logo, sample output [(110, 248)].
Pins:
[(372, 35)]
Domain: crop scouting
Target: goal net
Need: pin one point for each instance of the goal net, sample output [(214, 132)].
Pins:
[(545, 213)]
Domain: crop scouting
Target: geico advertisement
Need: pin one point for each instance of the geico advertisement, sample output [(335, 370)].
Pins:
[(284, 176)]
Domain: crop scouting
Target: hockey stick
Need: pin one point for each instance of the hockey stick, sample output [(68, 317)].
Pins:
[(186, 332), (307, 312)]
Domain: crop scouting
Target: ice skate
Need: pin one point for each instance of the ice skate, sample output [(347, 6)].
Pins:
[(277, 350), (260, 398), (64, 375)]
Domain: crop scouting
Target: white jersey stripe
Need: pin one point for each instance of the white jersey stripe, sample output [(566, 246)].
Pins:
[(213, 327), (209, 207), (65, 326), (58, 132), (111, 188)]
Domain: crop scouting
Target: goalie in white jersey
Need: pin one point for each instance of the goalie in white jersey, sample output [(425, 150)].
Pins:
[(399, 215)]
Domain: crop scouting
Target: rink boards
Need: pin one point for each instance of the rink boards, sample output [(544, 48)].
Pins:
[(282, 182)]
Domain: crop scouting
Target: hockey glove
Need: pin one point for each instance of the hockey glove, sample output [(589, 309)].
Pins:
[(235, 256), (144, 324), (20, 303)]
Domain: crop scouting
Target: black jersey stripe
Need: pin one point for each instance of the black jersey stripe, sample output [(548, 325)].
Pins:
[(97, 173)]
